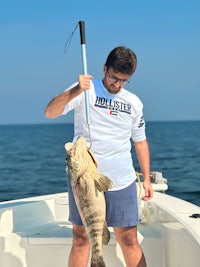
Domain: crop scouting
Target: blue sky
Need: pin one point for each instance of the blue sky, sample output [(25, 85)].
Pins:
[(165, 35)]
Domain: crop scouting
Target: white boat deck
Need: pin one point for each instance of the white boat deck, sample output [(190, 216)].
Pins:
[(36, 233)]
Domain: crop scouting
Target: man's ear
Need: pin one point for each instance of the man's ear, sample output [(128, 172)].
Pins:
[(105, 69)]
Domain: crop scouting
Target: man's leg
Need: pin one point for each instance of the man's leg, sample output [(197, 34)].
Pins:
[(127, 239), (79, 254)]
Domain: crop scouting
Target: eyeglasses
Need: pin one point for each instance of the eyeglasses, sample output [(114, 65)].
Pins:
[(115, 79)]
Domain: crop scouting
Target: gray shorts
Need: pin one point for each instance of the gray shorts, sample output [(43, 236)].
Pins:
[(121, 207)]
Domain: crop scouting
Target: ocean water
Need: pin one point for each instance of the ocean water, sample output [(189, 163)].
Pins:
[(32, 158)]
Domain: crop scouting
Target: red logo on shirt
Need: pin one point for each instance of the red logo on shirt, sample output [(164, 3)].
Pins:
[(113, 112)]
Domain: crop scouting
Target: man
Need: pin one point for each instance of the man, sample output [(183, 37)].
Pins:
[(116, 116)]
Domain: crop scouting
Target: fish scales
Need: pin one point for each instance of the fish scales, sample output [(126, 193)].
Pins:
[(88, 187)]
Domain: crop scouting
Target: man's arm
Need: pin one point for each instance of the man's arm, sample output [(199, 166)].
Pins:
[(143, 155), (58, 103)]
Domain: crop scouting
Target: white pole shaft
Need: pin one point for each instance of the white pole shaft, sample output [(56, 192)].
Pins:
[(85, 92)]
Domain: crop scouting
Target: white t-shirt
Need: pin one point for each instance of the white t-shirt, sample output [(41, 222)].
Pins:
[(114, 120)]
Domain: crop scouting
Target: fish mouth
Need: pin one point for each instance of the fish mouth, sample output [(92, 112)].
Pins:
[(69, 147), (73, 148)]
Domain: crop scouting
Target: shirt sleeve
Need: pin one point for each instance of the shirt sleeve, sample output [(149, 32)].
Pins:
[(138, 126)]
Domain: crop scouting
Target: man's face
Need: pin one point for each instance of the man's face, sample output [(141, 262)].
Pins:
[(114, 81)]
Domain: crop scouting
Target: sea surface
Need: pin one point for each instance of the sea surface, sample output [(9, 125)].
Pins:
[(32, 158)]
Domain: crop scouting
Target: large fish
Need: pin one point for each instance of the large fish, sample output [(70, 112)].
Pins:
[(88, 187)]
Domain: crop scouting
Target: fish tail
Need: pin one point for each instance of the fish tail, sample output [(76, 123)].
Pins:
[(97, 262)]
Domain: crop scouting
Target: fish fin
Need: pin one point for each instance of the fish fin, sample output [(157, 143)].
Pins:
[(103, 183), (97, 262), (106, 235), (93, 157)]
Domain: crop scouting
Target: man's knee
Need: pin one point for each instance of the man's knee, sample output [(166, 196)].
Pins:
[(129, 241), (127, 237), (80, 237)]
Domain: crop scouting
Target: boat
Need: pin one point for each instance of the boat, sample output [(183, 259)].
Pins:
[(35, 232)]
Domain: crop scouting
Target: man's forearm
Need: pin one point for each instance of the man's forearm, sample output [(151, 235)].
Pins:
[(143, 155), (57, 104)]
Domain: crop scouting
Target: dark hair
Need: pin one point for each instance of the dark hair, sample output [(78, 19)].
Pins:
[(122, 59)]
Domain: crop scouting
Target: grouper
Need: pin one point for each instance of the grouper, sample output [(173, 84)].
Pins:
[(88, 187)]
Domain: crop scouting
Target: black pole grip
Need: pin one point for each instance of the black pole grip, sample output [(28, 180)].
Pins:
[(82, 31)]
